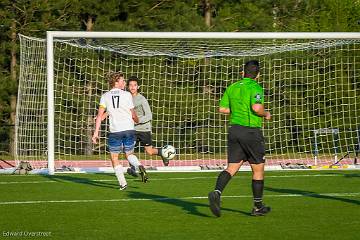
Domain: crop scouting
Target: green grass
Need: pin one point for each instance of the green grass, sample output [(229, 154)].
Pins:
[(306, 205)]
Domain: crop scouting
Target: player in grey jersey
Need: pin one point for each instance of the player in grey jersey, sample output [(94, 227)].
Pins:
[(143, 127)]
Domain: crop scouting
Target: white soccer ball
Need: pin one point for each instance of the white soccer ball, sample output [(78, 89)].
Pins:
[(168, 152)]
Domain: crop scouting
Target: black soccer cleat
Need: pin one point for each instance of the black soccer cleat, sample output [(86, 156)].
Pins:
[(123, 187), (214, 201), (165, 161), (260, 211), (143, 174), (132, 171)]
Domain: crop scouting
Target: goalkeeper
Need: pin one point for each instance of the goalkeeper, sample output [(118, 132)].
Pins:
[(143, 127), (244, 101)]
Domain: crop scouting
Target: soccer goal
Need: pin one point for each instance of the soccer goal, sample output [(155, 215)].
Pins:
[(311, 82)]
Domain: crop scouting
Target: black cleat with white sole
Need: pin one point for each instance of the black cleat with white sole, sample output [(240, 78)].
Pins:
[(214, 201), (260, 211), (132, 171), (143, 174)]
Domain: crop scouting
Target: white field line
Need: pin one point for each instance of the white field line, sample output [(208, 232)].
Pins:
[(180, 198), (161, 179)]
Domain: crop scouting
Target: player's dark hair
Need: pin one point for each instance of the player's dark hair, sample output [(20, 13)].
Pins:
[(251, 69), (133, 79)]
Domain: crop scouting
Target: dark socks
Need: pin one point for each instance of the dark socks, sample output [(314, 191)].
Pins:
[(222, 180), (258, 188)]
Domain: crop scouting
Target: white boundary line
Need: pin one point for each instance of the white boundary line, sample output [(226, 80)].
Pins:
[(180, 198), (161, 179)]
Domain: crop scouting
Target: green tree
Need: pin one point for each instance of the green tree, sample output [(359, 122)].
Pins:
[(318, 16), (163, 15), (242, 16), (23, 17)]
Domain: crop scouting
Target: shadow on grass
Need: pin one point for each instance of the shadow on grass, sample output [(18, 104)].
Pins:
[(346, 175), (311, 194), (188, 206), (82, 180)]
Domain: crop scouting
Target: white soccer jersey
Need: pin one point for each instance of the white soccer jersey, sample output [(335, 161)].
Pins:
[(118, 104)]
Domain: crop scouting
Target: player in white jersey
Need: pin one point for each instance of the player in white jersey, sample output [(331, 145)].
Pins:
[(143, 127), (119, 106)]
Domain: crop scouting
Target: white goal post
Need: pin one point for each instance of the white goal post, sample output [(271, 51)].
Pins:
[(283, 70)]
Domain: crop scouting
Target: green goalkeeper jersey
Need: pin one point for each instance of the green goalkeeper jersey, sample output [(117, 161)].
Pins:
[(239, 98)]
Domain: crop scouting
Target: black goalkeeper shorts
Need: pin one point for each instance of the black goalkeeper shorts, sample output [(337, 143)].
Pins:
[(144, 138), (247, 144)]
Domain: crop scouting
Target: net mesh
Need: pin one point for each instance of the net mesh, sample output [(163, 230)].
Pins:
[(311, 88)]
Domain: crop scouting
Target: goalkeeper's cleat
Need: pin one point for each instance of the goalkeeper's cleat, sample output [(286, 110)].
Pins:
[(143, 174), (123, 187), (165, 161), (260, 211), (214, 201), (132, 171)]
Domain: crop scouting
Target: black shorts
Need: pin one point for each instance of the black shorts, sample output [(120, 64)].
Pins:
[(144, 138), (245, 143)]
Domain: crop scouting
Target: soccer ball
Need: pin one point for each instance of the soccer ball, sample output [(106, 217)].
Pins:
[(168, 152)]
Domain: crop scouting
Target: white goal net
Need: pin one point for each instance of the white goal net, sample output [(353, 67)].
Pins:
[(312, 89)]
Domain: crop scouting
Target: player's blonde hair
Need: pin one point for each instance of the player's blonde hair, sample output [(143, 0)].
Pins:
[(113, 77)]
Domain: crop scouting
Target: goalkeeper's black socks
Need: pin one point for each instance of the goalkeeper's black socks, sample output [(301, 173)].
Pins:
[(258, 188), (222, 180)]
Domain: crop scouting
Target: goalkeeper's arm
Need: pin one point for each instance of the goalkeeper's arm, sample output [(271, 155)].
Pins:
[(147, 112), (134, 116)]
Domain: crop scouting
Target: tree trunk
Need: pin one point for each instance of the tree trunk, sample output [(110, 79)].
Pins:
[(89, 23), (90, 121), (90, 126), (13, 97), (275, 11), (12, 121), (207, 10)]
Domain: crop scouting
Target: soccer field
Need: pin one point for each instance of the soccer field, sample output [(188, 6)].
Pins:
[(305, 205)]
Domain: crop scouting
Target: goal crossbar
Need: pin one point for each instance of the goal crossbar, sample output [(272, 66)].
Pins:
[(213, 35)]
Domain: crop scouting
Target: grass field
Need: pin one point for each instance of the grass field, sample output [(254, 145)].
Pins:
[(305, 205)]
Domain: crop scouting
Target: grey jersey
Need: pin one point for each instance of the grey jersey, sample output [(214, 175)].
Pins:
[(143, 112)]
